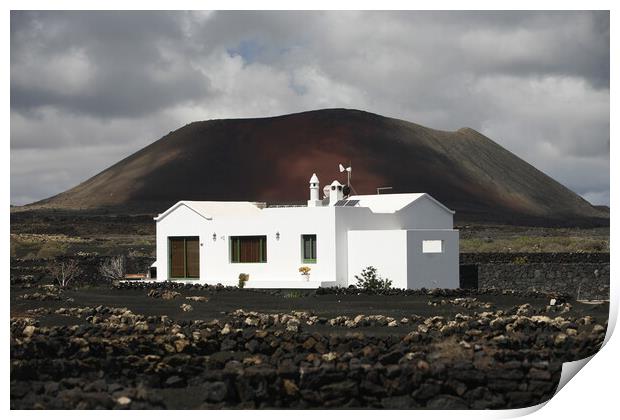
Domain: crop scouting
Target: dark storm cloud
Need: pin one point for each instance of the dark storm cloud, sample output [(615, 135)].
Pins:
[(96, 86), (115, 64)]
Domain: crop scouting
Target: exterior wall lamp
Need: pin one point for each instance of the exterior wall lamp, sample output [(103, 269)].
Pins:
[(277, 236), (214, 237)]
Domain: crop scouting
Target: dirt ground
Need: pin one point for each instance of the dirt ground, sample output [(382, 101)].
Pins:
[(328, 306)]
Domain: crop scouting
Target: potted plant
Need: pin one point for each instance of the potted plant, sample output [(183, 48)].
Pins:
[(305, 272), (243, 278)]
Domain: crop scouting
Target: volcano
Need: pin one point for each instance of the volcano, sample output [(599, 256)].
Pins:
[(271, 160)]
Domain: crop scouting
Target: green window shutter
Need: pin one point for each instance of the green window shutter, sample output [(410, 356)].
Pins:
[(308, 248), (235, 249), (264, 249)]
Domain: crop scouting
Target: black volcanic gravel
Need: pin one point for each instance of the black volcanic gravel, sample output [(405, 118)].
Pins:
[(120, 348)]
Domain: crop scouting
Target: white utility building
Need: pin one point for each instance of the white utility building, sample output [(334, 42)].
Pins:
[(408, 238)]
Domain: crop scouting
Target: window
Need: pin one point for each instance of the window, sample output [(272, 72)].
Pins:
[(432, 247), (248, 249), (308, 248), (184, 257)]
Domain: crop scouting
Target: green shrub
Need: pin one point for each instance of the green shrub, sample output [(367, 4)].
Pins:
[(520, 260), (243, 278), (369, 280), (292, 295)]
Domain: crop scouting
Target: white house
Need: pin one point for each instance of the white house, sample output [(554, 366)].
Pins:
[(409, 238)]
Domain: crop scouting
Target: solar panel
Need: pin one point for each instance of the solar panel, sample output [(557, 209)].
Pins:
[(346, 203)]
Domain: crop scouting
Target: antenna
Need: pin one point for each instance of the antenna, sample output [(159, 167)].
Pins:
[(348, 169), (382, 188)]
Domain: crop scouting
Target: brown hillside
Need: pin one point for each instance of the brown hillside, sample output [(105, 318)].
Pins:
[(271, 159)]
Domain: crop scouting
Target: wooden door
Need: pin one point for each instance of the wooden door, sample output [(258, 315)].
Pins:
[(184, 257), (177, 257), (192, 253)]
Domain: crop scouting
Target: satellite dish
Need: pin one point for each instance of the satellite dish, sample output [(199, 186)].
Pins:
[(326, 191), (342, 169)]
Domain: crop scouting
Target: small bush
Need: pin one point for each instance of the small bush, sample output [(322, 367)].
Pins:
[(113, 269), (520, 260), (293, 295), (243, 278), (64, 271), (369, 280)]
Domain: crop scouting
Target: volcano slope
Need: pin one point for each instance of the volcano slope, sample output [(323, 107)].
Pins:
[(271, 160)]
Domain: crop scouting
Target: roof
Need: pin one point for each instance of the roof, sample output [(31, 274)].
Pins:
[(314, 179), (391, 203), (381, 203), (211, 209)]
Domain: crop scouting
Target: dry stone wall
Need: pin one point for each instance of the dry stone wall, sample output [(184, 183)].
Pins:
[(582, 281), (581, 275)]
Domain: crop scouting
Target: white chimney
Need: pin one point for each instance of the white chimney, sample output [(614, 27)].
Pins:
[(314, 192), (335, 193)]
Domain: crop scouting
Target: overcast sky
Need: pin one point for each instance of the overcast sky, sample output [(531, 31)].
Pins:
[(90, 88)]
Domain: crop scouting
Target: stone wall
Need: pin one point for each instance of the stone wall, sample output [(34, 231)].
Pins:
[(583, 276), (37, 270), (582, 281), (119, 359)]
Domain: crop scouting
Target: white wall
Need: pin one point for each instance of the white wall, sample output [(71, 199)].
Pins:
[(397, 255), (284, 256), (183, 221), (432, 270), (356, 218), (386, 250), (424, 213)]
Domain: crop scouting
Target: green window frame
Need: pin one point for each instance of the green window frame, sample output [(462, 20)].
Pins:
[(308, 249), (248, 249), (183, 257)]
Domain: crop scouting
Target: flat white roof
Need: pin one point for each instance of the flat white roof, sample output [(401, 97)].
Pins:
[(382, 203), (391, 203), (386, 203)]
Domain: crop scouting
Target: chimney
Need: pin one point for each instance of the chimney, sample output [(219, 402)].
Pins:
[(335, 193), (314, 192)]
